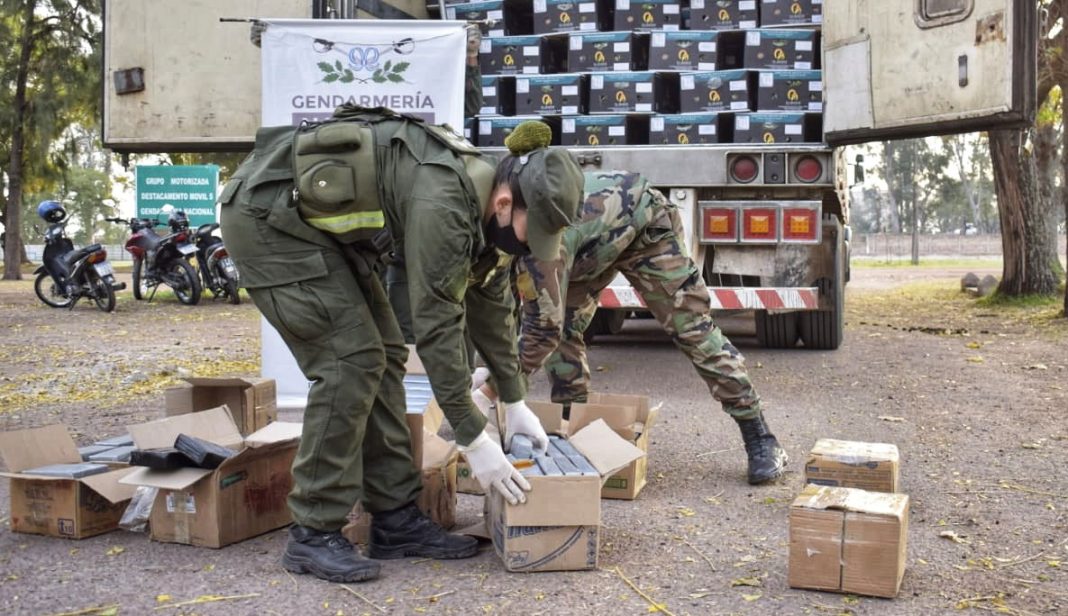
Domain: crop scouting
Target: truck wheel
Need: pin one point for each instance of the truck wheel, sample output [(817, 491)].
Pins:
[(776, 331), (604, 322), (823, 329)]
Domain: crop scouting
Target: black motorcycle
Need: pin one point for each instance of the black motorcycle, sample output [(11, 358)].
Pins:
[(160, 260), (68, 273), (218, 273)]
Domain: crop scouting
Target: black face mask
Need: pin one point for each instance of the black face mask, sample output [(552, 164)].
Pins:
[(505, 239)]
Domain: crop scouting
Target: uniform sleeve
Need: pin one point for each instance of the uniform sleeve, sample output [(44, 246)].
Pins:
[(491, 322), (543, 288), (472, 91), (438, 243)]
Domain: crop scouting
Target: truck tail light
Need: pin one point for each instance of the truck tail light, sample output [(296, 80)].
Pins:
[(801, 225), (719, 224), (760, 224), (744, 169), (808, 169)]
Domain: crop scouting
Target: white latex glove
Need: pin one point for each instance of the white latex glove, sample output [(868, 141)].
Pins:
[(519, 419), (484, 404), (493, 470), (479, 378)]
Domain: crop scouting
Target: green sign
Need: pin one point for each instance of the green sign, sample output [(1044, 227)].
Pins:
[(191, 188)]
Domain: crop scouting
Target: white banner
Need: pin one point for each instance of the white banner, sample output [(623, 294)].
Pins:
[(312, 66)]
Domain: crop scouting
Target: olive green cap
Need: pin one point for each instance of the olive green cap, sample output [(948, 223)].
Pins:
[(551, 182)]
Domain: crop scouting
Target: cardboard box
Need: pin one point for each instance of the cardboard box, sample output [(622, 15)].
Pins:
[(603, 130), (565, 16), (682, 51), (791, 12), (722, 15), (510, 55), (684, 129), (632, 418), (852, 464), (607, 51), (244, 497), (636, 91), (493, 130), (781, 50), (550, 94), (252, 401), (542, 535), (489, 15), (847, 540), (646, 15), (774, 127), (716, 91), (790, 91), (498, 95), (465, 479), (56, 506)]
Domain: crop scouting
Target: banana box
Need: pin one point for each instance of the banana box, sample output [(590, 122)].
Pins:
[(498, 95), (682, 51), (722, 15), (635, 91), (565, 16), (488, 15), (550, 94), (791, 12), (776, 127), (510, 55), (493, 130), (715, 91), (600, 130), (606, 51), (781, 50), (646, 15), (685, 128), (790, 91)]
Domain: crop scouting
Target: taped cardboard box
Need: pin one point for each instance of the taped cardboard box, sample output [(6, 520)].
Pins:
[(437, 499), (853, 464), (542, 535), (847, 540), (58, 506), (244, 497), (632, 418), (252, 401), (722, 15)]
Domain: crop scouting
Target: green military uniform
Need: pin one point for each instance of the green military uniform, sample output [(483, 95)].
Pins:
[(624, 226), (336, 319)]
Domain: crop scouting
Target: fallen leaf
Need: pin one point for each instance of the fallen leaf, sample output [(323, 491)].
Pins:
[(115, 550), (891, 418), (162, 598), (850, 600), (73, 551), (658, 607), (975, 359), (752, 597), (770, 500), (974, 345), (1036, 367), (209, 568), (953, 536), (699, 595), (746, 581), (1031, 446), (1056, 564), (921, 561), (686, 512)]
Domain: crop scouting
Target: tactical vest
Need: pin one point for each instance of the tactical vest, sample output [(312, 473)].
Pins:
[(336, 178)]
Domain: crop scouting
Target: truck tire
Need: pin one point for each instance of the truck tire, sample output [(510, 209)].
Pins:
[(823, 330), (605, 322), (776, 331)]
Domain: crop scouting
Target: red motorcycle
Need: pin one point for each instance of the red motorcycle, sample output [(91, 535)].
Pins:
[(160, 260)]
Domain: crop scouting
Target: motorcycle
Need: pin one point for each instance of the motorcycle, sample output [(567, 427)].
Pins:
[(218, 273), (68, 273), (160, 260)]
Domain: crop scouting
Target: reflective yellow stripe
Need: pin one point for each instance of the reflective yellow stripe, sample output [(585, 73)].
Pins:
[(349, 222)]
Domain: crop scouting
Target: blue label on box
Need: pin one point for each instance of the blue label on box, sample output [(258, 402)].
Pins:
[(602, 120), (699, 36), (786, 35), (682, 119), (625, 76), (465, 7), (721, 75), (517, 41), (566, 79), (601, 37), (794, 75)]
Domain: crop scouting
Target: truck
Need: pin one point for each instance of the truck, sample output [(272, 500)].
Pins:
[(766, 216)]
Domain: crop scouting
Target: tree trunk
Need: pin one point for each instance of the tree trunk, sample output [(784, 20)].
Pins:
[(13, 249), (1025, 219)]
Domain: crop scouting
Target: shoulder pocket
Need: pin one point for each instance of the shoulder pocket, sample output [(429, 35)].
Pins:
[(227, 196)]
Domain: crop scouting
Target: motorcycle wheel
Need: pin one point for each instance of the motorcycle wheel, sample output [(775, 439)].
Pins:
[(48, 293), (103, 294), (138, 292), (229, 286), (185, 282)]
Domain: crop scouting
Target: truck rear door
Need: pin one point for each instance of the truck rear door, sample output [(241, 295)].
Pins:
[(912, 68)]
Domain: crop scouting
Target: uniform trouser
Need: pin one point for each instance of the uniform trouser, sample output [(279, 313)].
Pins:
[(659, 269), (356, 444), (396, 280)]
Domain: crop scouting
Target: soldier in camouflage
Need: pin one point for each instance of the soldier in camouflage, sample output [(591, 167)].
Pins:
[(627, 226)]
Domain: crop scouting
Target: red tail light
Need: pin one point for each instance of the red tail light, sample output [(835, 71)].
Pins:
[(181, 237), (760, 224), (744, 169), (808, 169), (801, 224), (719, 224), (221, 253), (98, 256)]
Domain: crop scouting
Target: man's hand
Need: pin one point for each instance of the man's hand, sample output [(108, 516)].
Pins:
[(479, 377), (493, 470), (519, 419), (484, 404)]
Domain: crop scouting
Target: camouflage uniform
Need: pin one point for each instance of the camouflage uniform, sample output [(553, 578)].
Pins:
[(625, 226)]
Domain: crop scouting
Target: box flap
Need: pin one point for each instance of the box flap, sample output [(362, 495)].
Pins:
[(851, 499), (551, 416), (276, 432), (433, 417), (215, 425), (210, 381), (178, 400), (179, 479), (606, 450), (22, 449), (437, 452), (855, 452), (619, 418), (557, 501), (108, 486), (36, 477)]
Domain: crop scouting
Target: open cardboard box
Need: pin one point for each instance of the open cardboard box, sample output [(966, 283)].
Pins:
[(252, 401), (72, 508), (244, 497), (558, 528), (632, 418)]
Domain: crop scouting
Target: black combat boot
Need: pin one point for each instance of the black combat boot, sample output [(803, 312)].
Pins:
[(326, 555), (406, 531), (766, 457)]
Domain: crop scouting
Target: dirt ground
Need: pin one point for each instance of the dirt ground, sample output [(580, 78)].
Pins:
[(973, 395)]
